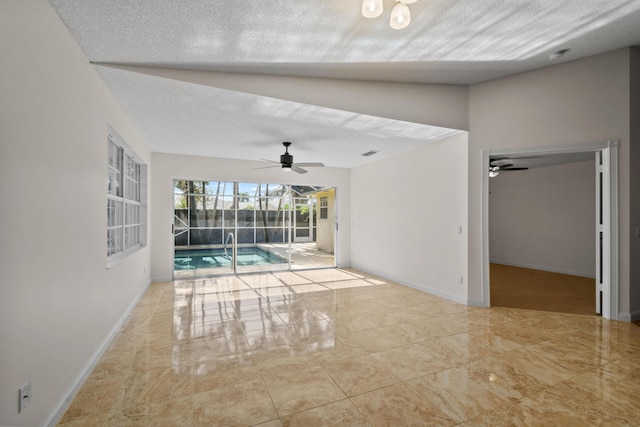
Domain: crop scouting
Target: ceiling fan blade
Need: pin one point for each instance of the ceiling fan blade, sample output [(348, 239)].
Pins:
[(270, 161), (295, 168), (499, 161), (505, 166), (310, 165), (267, 167)]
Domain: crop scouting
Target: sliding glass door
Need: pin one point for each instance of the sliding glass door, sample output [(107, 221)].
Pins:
[(223, 227)]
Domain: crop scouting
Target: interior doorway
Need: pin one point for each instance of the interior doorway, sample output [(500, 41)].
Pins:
[(541, 222), (604, 232)]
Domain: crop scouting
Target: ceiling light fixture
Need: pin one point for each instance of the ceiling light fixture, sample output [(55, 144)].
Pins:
[(371, 8), (400, 15)]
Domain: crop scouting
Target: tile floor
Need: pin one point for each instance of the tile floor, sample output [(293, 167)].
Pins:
[(335, 347)]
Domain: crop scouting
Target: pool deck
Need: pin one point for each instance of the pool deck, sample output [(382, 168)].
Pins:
[(303, 255)]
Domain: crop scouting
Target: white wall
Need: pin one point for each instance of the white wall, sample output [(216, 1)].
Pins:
[(634, 255), (166, 167), (58, 302), (583, 101), (544, 218), (406, 211)]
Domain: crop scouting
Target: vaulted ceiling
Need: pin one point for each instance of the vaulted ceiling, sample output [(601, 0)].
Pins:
[(448, 42)]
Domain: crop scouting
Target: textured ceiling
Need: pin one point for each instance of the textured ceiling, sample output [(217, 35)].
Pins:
[(185, 118), (448, 41)]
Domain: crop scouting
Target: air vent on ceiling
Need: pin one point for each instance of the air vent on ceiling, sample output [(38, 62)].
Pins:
[(369, 153)]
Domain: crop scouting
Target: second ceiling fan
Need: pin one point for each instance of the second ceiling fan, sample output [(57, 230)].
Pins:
[(498, 165), (287, 164)]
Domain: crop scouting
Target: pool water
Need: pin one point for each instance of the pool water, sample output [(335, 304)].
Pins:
[(191, 259)]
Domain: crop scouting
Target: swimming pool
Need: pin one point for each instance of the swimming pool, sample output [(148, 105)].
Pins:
[(191, 259)]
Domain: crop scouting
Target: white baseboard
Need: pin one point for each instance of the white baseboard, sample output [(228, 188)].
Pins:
[(545, 268), (630, 317), (474, 303), (432, 291), (419, 287), (62, 407)]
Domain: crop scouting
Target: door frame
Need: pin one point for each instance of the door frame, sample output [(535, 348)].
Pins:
[(289, 221), (610, 256)]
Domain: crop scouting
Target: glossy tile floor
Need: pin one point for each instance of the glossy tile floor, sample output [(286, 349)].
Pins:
[(335, 347)]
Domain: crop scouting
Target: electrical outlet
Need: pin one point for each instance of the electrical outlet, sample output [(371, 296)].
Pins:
[(25, 396)]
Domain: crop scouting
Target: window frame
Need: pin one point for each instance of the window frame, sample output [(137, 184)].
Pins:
[(126, 200), (324, 208)]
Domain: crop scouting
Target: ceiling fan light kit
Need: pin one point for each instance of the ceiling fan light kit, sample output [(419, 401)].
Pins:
[(372, 8), (286, 159), (400, 14)]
